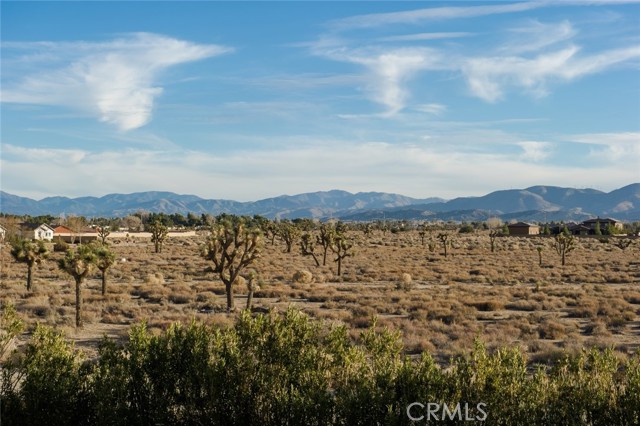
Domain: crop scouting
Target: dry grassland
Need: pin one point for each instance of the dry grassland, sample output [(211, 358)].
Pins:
[(438, 304)]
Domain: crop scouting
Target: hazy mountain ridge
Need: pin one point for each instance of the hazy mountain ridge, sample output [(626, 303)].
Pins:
[(316, 204), (537, 203)]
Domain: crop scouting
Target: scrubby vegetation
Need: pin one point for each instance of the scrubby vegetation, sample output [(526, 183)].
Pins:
[(437, 293), (291, 370)]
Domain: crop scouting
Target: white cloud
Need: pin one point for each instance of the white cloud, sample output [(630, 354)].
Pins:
[(434, 109), (388, 70), (425, 36), (415, 170), (429, 14), (613, 147), (535, 151), (115, 80), (489, 77), (537, 35)]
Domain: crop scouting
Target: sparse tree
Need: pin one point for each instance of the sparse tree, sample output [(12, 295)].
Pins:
[(132, 223), (493, 223), (270, 230), (325, 239), (79, 263), (103, 233), (342, 248), (493, 234), (307, 247), (289, 233), (564, 244), (105, 259), (231, 247), (31, 253), (367, 229), (597, 230), (444, 240), (610, 229), (76, 224), (159, 233)]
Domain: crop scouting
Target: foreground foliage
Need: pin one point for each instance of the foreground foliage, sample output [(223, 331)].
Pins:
[(287, 369)]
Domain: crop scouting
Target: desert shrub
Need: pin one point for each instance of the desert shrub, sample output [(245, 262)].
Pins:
[(551, 329), (60, 246), (466, 229), (302, 277), (405, 283), (487, 306), (156, 278), (287, 369), (522, 305)]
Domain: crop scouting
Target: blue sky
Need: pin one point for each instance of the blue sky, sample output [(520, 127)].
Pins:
[(248, 100)]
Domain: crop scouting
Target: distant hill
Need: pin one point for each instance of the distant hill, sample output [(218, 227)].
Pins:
[(537, 203), (313, 205)]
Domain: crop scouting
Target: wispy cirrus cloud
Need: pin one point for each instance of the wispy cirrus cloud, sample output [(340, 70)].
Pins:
[(425, 36), (116, 81), (489, 77), (428, 14), (530, 58), (612, 147), (537, 35)]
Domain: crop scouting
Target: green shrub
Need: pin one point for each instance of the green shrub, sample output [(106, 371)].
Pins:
[(287, 369)]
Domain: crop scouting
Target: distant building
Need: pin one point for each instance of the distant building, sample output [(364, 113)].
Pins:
[(37, 232), (68, 235), (523, 228), (579, 229), (604, 223)]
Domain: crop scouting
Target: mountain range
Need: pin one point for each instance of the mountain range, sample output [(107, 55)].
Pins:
[(537, 203)]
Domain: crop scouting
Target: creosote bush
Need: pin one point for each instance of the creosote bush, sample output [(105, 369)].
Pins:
[(287, 369)]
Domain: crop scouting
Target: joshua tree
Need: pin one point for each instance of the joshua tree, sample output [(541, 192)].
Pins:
[(492, 236), (325, 239), (270, 230), (103, 233), (31, 253), (422, 233), (79, 263), (105, 258), (252, 286), (564, 244), (367, 229), (341, 247), (231, 247), (289, 234), (539, 249), (444, 240), (158, 234), (307, 247)]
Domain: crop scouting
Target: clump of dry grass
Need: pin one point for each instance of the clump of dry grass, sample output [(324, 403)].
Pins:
[(302, 277), (155, 278)]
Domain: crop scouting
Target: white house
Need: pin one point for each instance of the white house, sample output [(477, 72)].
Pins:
[(37, 232)]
